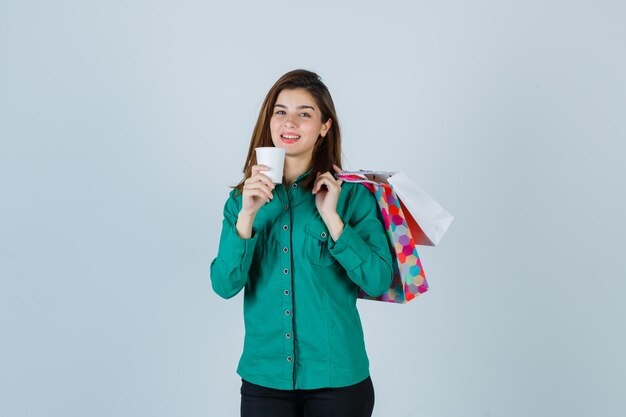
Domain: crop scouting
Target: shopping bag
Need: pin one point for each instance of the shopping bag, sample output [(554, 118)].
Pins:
[(409, 279), (427, 219)]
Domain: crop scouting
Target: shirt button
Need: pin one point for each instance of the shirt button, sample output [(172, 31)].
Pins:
[(287, 312), (294, 185), (286, 292), (288, 335), (286, 206), (289, 359), (285, 227), (323, 234), (285, 271), (285, 249)]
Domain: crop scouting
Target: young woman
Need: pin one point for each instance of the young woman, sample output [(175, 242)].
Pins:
[(301, 250)]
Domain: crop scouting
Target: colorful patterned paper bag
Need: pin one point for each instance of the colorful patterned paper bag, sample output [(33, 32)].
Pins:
[(409, 279)]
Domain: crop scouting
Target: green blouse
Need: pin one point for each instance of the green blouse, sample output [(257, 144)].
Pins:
[(303, 329)]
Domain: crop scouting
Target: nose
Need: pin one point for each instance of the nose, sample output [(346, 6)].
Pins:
[(289, 121)]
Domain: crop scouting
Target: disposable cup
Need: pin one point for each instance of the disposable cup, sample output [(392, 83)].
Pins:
[(274, 158)]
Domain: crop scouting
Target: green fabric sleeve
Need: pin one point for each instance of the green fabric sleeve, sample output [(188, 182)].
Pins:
[(229, 270), (362, 248)]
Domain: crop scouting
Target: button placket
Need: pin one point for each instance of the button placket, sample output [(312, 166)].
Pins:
[(285, 271)]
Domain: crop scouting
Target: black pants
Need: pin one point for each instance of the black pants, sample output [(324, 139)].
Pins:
[(351, 401)]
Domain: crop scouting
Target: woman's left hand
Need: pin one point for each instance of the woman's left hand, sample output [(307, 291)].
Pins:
[(326, 197)]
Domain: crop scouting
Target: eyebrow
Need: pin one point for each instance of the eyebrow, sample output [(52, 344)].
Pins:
[(299, 107)]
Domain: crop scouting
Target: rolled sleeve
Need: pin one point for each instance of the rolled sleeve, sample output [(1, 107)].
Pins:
[(350, 249), (230, 269), (234, 251), (362, 247)]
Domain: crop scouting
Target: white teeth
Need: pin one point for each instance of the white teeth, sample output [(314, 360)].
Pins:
[(291, 137)]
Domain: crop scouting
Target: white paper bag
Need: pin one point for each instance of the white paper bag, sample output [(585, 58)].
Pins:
[(432, 219), (427, 220)]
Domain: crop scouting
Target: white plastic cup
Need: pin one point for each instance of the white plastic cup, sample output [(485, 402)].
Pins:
[(274, 158)]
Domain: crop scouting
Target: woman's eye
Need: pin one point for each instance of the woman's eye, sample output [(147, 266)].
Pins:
[(281, 112)]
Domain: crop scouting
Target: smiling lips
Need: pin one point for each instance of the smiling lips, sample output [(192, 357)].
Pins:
[(289, 137)]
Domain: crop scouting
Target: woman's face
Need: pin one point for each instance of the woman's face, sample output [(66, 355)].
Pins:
[(296, 123)]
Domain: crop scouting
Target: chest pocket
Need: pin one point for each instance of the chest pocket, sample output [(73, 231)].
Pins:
[(316, 244)]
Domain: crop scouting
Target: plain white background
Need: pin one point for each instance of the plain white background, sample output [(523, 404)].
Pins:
[(122, 124)]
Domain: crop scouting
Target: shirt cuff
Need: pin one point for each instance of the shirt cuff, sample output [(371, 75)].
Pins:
[(350, 249), (237, 252)]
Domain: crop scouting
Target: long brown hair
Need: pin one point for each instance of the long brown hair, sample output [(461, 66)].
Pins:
[(326, 152)]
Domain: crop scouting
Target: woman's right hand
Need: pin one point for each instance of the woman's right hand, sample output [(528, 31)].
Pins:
[(257, 191)]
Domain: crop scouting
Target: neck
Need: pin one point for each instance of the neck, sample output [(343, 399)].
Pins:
[(294, 167)]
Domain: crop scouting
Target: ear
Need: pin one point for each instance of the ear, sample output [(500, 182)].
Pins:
[(326, 127)]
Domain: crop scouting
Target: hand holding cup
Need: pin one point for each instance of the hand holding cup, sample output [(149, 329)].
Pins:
[(257, 190)]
